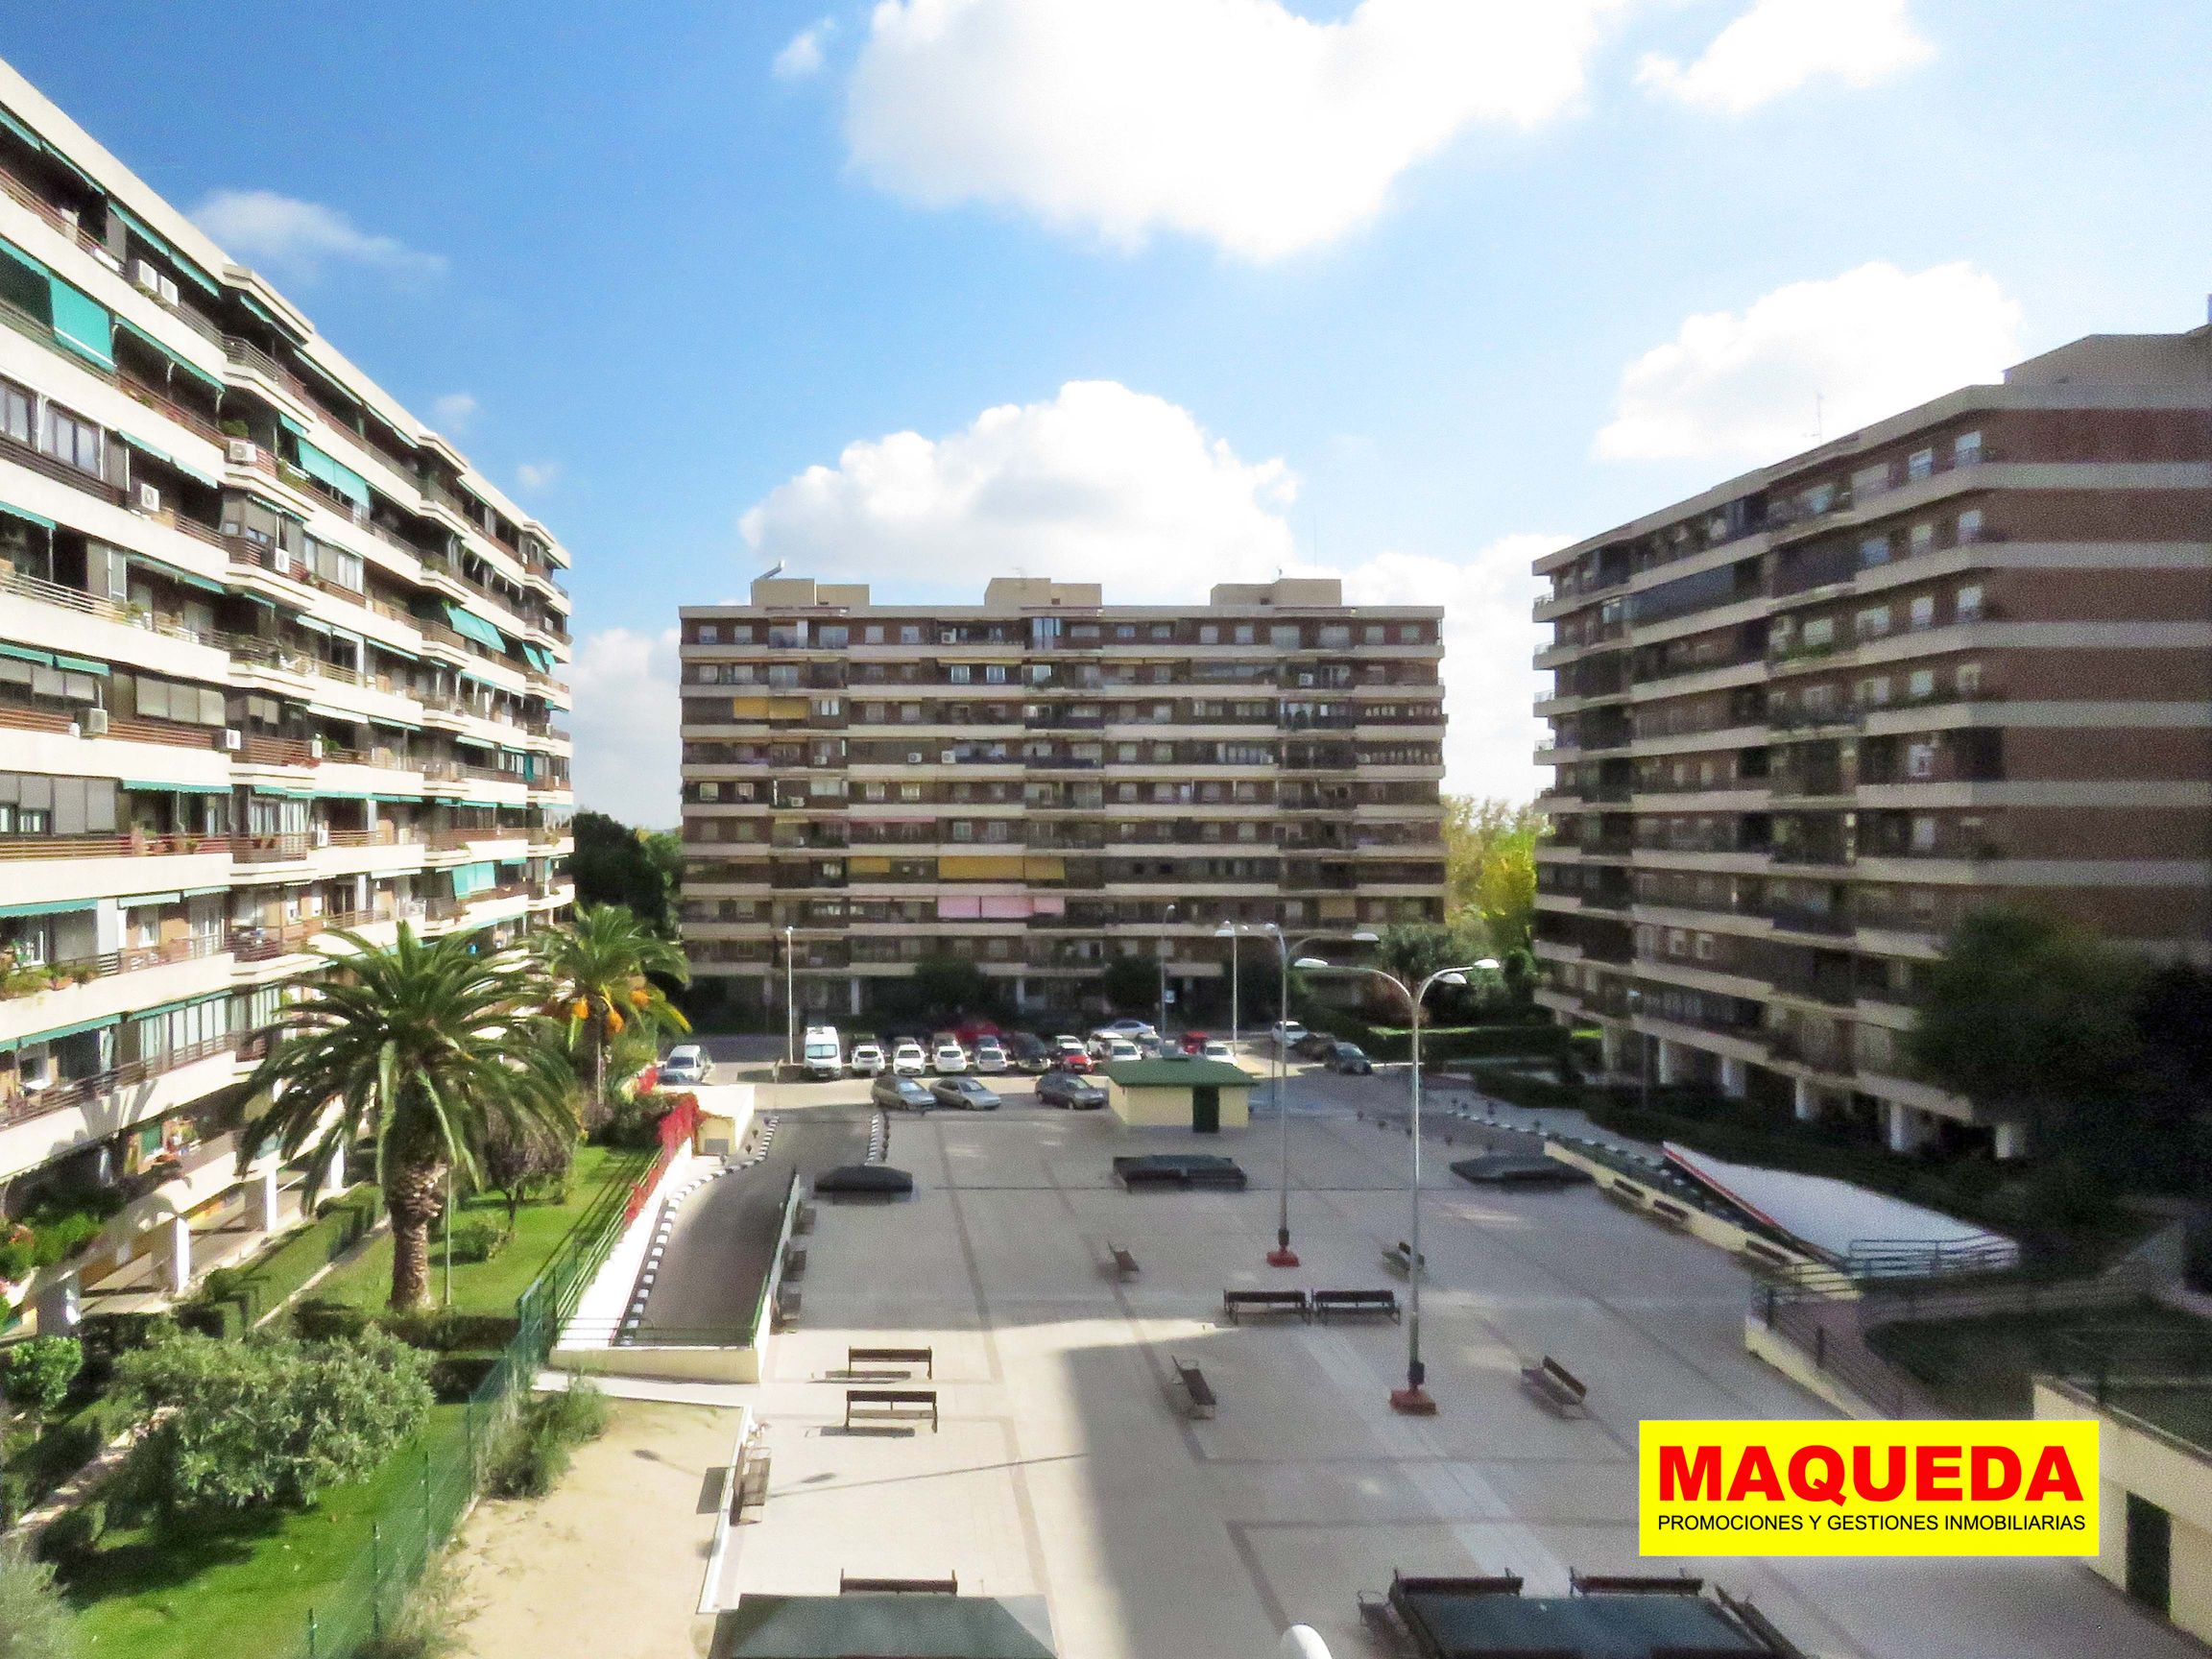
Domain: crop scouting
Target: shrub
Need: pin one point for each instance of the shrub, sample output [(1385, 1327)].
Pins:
[(578, 1413), (478, 1241), (72, 1535), (18, 1257), (35, 1621), (535, 1452), (108, 1337), (15, 1500), (272, 1420), (320, 1321), (39, 1371)]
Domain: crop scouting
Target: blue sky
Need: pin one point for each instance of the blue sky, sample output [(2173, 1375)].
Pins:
[(1400, 289)]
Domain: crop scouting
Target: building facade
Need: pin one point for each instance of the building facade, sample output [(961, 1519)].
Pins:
[(1807, 721), (1044, 782), (274, 660)]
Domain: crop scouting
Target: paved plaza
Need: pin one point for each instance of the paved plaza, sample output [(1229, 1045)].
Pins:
[(1063, 1469)]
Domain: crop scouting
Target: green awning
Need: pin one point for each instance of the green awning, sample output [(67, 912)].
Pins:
[(539, 658), (466, 623), (83, 323), (166, 459), (204, 892), (291, 425), (36, 268), (146, 787), (138, 900), (256, 308), (174, 361), (263, 791), (82, 664), (153, 238), (158, 567), (24, 654), (180, 1004), (396, 800), (28, 517), (49, 907), (83, 177), (335, 472), (199, 279), (61, 1031), (19, 129)]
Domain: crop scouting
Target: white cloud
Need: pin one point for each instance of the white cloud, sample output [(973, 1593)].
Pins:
[(1099, 482), (537, 474), (626, 724), (1105, 484), (1779, 45), (801, 58), (1872, 342), (301, 238), (1234, 121), (452, 413)]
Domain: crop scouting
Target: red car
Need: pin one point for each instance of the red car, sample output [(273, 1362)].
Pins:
[(1074, 1060), (1194, 1041)]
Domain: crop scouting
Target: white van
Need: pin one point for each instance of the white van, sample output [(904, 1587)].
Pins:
[(823, 1055)]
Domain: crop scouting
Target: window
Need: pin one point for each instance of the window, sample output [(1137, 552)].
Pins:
[(910, 633), (995, 674), (1209, 633), (957, 673), (1821, 631), (1923, 614), (1374, 634), (1284, 636), (1920, 463), (1869, 481), (1704, 946), (1871, 623), (709, 634), (872, 633), (1923, 834), (1967, 449), (1969, 679), (1872, 551), (1969, 526), (70, 440), (17, 412), (1922, 685), (1244, 634), (1920, 761), (1126, 631), (1874, 693), (1923, 538), (1970, 603)]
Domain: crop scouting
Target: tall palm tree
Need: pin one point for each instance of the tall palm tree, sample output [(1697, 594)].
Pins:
[(425, 1044), (599, 966)]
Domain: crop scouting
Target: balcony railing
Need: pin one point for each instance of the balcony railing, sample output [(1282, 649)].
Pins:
[(82, 969), (28, 1104), (135, 846)]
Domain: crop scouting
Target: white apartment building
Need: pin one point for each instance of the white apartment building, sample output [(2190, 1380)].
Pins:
[(274, 660)]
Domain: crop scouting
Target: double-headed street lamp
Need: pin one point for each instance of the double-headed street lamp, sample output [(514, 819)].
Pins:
[(1282, 1256), (1413, 1398)]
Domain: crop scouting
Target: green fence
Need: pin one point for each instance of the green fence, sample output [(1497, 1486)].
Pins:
[(449, 1466)]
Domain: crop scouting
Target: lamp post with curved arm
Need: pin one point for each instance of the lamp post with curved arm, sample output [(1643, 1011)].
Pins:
[(1415, 1398)]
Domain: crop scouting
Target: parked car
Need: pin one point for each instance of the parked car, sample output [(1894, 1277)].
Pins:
[(1314, 1046), (901, 1095), (687, 1065), (1131, 1029), (969, 1093), (1029, 1053), (947, 1058), (991, 1057), (1119, 1051), (907, 1060), (1217, 1049), (1067, 1089), (866, 1058), (1077, 1059), (1350, 1059), (1286, 1033), (1193, 1042)]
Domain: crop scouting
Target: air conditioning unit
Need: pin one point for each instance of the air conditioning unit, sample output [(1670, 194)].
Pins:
[(145, 277), (913, 757), (145, 499), (360, 513), (314, 748), (168, 288), (1304, 678), (242, 452), (322, 834), (233, 740), (93, 722), (68, 216), (947, 757)]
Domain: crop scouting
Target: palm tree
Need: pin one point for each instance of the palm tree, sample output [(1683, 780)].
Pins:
[(598, 966), (427, 1045)]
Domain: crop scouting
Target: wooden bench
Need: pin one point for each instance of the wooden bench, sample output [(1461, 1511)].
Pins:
[(802, 1218), (1633, 1584), (752, 1485), (892, 1402), (1765, 1256), (1670, 1215), (1399, 1259), (1626, 1193), (1328, 1302), (794, 1261), (1125, 1264), (926, 1358), (847, 1585), (1197, 1393), (1557, 1386), (787, 1307), (1234, 1302)]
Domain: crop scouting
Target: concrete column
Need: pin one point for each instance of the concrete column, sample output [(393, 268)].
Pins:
[(263, 1197), (1735, 1078), (1020, 990), (1901, 1127), (180, 1256), (60, 1307), (2012, 1140), (1804, 1102), (1609, 1049), (1667, 1066), (335, 1181), (853, 986)]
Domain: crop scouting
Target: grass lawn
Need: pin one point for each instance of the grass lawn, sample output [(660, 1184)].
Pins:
[(489, 1287), (243, 1587), (1981, 1367)]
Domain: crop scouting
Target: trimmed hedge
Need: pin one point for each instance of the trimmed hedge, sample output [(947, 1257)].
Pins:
[(234, 1299), (1512, 1034)]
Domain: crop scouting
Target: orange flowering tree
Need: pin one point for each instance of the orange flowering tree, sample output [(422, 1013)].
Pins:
[(602, 968)]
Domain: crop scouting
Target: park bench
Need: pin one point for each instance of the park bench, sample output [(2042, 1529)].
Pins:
[(1198, 1392), (1235, 1302), (1328, 1302), (752, 1485), (787, 1307), (802, 1218), (1125, 1264), (1399, 1259), (926, 1358), (1557, 1386), (1761, 1254), (892, 1403), (847, 1585), (1672, 1215), (1626, 1193), (1633, 1583), (794, 1261)]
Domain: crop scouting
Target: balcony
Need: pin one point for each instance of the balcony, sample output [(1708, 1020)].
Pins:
[(81, 1092)]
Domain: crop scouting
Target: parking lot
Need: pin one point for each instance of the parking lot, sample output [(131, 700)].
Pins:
[(1063, 1468)]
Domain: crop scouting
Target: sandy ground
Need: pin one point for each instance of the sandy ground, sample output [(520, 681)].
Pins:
[(610, 1564)]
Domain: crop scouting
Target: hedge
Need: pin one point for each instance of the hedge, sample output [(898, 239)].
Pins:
[(235, 1299), (1515, 1034)]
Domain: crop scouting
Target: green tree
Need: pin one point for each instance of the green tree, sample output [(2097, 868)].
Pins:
[(424, 1045), (38, 1372), (2033, 1018), (518, 1155), (35, 1621), (641, 870), (947, 986), (271, 1420), (1132, 984), (1490, 868), (1412, 950), (602, 967)]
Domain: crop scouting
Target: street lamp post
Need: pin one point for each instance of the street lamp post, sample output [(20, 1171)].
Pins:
[(1415, 1398), (790, 1003), (1229, 931), (1167, 918)]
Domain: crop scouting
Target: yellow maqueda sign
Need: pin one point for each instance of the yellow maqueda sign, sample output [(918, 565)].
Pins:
[(1905, 1488)]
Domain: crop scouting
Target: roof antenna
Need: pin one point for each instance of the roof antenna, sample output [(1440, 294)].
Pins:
[(1819, 418), (774, 569)]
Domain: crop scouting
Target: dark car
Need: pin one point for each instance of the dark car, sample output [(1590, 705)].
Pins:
[(902, 1093), (1314, 1046), (1350, 1059), (1029, 1053), (965, 1091), (1066, 1089)]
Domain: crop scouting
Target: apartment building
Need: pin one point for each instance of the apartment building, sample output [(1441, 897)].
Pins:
[(1044, 782), (1805, 721), (274, 660)]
